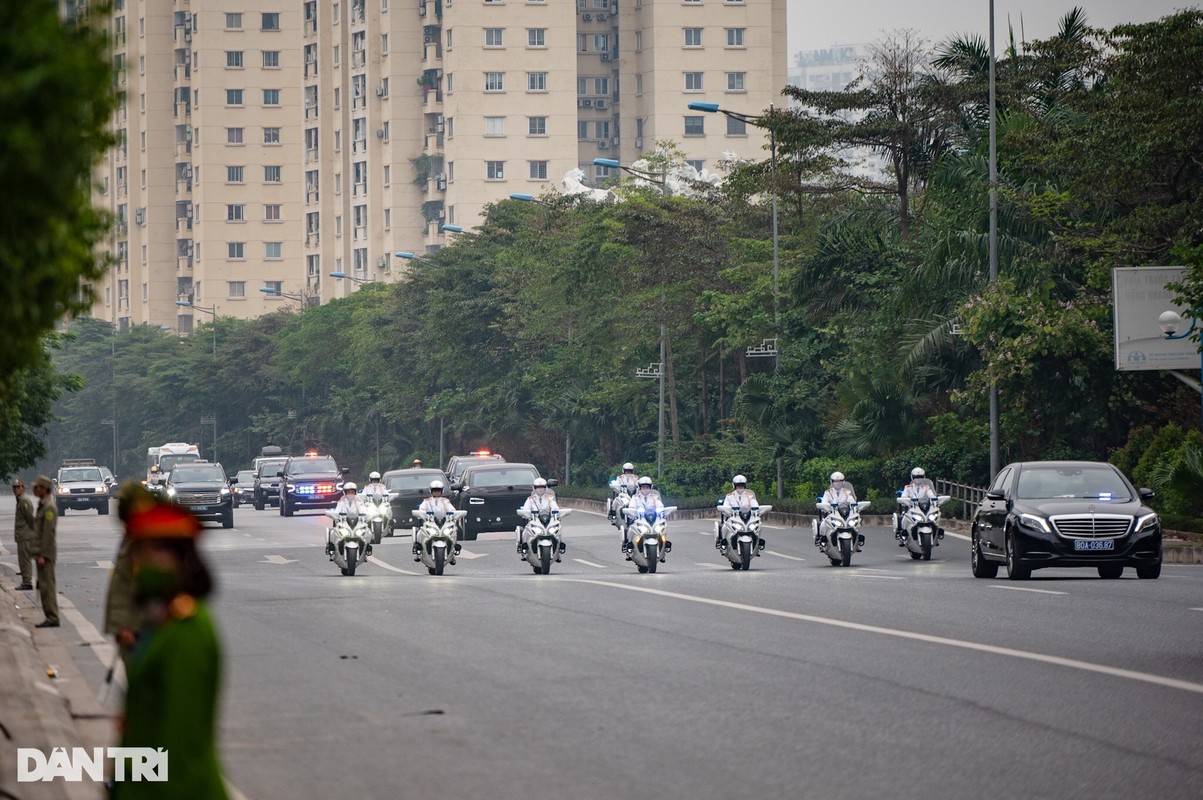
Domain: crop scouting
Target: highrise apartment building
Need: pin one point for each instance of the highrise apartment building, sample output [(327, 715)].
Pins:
[(264, 145)]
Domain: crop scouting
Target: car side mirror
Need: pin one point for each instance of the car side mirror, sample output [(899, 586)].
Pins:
[(233, 481), (457, 486), (996, 494), (553, 482), (279, 474), (345, 471), (1147, 494)]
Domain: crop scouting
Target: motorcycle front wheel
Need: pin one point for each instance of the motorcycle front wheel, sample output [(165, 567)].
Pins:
[(925, 545), (545, 559), (652, 557), (440, 561), (352, 559), (846, 552), (745, 555)]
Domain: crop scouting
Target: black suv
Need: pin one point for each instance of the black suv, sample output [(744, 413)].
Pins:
[(310, 481), (1064, 514), (408, 488), (492, 493), (202, 488), (266, 489), (457, 464)]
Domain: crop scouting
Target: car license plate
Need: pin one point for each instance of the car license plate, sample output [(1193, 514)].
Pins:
[(200, 508), (1094, 544)]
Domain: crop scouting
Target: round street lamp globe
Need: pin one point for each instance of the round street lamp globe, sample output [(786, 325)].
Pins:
[(1169, 322)]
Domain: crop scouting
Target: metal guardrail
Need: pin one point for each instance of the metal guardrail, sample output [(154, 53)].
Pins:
[(968, 496)]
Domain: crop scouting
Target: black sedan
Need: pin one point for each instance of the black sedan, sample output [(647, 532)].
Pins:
[(492, 494), (202, 488), (407, 489), (1040, 514)]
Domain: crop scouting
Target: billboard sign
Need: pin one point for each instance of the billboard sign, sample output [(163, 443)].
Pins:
[(1140, 295)]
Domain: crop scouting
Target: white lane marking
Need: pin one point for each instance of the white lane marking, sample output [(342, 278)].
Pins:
[(102, 565), (866, 575), (708, 565), (493, 536), (1197, 609), (1027, 655), (783, 555), (468, 554), (387, 566), (958, 536), (871, 569), (589, 563), (1025, 589), (274, 559)]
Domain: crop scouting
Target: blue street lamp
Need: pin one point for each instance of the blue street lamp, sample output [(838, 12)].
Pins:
[(660, 179), (210, 311), (409, 256), (273, 292), (352, 278), (1170, 322), (451, 229), (525, 198)]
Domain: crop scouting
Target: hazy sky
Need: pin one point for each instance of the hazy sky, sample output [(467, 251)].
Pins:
[(818, 23)]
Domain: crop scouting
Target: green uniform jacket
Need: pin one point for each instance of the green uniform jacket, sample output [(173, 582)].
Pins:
[(172, 703), (45, 541), (121, 610), (26, 525)]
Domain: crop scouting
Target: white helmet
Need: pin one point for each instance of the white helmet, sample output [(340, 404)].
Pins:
[(917, 472), (628, 467), (374, 476), (540, 483), (837, 476), (436, 485), (350, 486), (645, 481), (738, 479)]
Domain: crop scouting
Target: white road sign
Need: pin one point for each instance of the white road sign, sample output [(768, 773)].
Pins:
[(1140, 296)]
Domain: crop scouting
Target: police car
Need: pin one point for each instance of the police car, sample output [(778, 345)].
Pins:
[(310, 481)]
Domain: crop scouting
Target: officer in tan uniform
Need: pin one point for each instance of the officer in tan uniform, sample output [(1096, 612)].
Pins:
[(23, 532), (123, 616), (44, 548)]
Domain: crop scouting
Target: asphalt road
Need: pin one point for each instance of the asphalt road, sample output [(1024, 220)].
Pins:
[(891, 678)]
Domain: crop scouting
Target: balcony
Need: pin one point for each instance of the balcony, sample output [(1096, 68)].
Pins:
[(434, 143), (183, 225), (183, 263), (313, 239), (432, 101)]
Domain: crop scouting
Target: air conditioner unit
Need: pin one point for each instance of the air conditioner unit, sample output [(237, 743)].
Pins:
[(382, 263), (600, 103), (187, 36), (440, 183), (422, 10), (428, 38), (606, 57), (602, 144), (380, 91), (614, 141), (188, 247), (440, 177), (587, 17), (186, 171), (140, 216), (189, 212), (601, 17), (639, 143), (380, 133), (438, 128), (586, 103), (188, 135)]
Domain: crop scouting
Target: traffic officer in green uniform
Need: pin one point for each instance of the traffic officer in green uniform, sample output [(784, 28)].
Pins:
[(123, 617), (44, 549), (175, 671), (23, 532)]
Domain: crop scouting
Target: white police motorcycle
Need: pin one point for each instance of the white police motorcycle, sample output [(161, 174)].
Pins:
[(738, 535), (647, 537), (347, 541), (539, 541), (838, 534), (917, 524), (435, 539), (378, 511), (617, 503)]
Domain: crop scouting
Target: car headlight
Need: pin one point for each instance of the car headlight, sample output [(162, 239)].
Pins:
[(171, 491), (225, 490), (1033, 521), (1146, 521)]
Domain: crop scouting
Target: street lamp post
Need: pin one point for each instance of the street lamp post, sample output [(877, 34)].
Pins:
[(210, 311), (273, 292), (1170, 322), (352, 278), (995, 447)]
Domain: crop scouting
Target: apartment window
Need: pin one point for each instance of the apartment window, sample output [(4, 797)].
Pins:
[(696, 163), (536, 37), (384, 88), (235, 250), (233, 97), (538, 170), (271, 97), (449, 38), (388, 218), (233, 22), (337, 54), (602, 4), (384, 44), (450, 82), (602, 129), (384, 132), (271, 174), (313, 264), (235, 213), (639, 83), (692, 2), (451, 171), (234, 174), (273, 250), (695, 126), (338, 98), (271, 135), (495, 170), (338, 141), (582, 42), (536, 81), (601, 86), (638, 41), (601, 173), (494, 37), (601, 43), (276, 287), (271, 22), (693, 37), (271, 213), (233, 135), (536, 126), (494, 81), (735, 37), (736, 127), (494, 126), (387, 173), (271, 59), (736, 81), (693, 81), (582, 86), (582, 130), (450, 127), (233, 59), (237, 288), (141, 65)]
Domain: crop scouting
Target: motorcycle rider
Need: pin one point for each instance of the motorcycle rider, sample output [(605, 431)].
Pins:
[(626, 481), (644, 499), (374, 488), (919, 488), (349, 505), (840, 491), (741, 498), (541, 501), (440, 505)]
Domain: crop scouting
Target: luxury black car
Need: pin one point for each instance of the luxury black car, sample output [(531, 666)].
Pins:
[(203, 489), (266, 489), (1040, 514), (310, 481), (244, 485), (492, 493), (407, 488)]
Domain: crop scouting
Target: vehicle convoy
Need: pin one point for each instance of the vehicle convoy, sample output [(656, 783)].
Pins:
[(739, 534), (347, 541), (919, 521), (202, 488), (1039, 514), (540, 542), (310, 481), (436, 538), (490, 493), (160, 461), (81, 485), (265, 491), (648, 535), (837, 533), (457, 464), (407, 488)]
